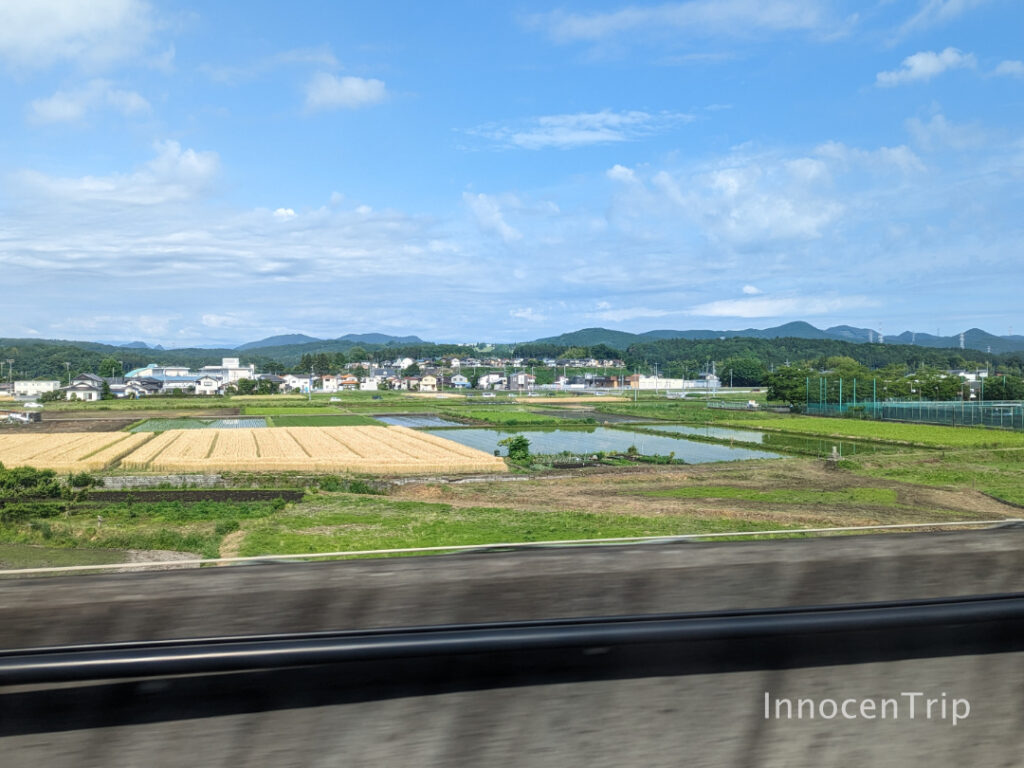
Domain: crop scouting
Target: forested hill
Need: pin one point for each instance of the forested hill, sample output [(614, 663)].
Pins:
[(676, 356), (974, 338), (41, 358)]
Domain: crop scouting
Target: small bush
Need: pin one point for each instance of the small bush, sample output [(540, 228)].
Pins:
[(518, 447), (83, 480), (224, 527)]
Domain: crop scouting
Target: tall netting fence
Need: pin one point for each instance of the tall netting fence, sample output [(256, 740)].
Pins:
[(1001, 414)]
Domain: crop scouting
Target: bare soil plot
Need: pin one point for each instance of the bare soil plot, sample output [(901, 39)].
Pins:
[(626, 491)]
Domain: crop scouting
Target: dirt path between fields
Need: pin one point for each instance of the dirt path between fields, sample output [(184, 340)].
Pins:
[(231, 544)]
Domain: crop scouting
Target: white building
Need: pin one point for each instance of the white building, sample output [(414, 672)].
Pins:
[(35, 388), (292, 382), (208, 385), (491, 381), (229, 371)]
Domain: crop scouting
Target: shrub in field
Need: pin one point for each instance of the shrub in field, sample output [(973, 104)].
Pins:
[(27, 481), (224, 527), (518, 447)]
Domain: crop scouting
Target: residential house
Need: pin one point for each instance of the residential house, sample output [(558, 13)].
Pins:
[(142, 387), (85, 386), (209, 385), (521, 381), (458, 381), (294, 383), (428, 384), (491, 381)]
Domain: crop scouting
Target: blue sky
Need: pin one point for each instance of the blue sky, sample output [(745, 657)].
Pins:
[(203, 173)]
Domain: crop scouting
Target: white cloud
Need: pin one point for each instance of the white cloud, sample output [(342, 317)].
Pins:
[(174, 174), (801, 306), (940, 133), (926, 65), (630, 313), (321, 57), (935, 12), (38, 33), (580, 129), (211, 320), (284, 214), (726, 18), (327, 91), (72, 106), (751, 290), (490, 217), (1010, 68), (621, 173), (527, 313), (900, 158)]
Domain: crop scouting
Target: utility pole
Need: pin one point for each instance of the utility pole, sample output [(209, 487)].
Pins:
[(68, 366)]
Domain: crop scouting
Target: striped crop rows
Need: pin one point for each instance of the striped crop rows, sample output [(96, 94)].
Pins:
[(70, 451), (369, 449)]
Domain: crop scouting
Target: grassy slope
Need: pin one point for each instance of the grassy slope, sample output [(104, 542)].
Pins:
[(34, 556)]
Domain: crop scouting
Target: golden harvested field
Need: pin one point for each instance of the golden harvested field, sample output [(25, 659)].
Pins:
[(374, 450), (68, 451)]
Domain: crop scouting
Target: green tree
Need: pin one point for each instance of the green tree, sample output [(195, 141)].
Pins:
[(109, 367), (789, 384), (518, 447), (412, 370), (743, 371), (321, 364), (358, 355), (245, 386)]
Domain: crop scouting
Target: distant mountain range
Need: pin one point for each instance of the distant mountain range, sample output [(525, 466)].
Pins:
[(355, 338), (286, 346), (975, 338)]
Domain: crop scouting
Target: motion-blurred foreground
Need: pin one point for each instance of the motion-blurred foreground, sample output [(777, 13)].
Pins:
[(701, 686)]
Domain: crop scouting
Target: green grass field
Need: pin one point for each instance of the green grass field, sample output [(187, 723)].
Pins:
[(327, 420), (197, 527), (685, 411), (298, 410), (918, 434), (510, 416), (35, 556), (345, 523)]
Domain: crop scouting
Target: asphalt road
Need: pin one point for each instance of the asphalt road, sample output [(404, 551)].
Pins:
[(447, 713)]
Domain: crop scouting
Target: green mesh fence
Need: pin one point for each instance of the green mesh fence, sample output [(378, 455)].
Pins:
[(1001, 414)]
